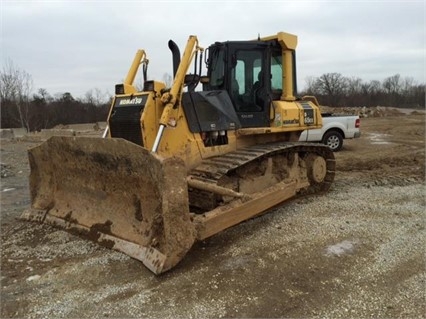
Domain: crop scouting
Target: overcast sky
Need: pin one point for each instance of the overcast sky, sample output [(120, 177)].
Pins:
[(75, 46)]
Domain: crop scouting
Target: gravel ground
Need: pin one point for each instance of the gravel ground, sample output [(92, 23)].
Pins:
[(320, 247), (356, 252)]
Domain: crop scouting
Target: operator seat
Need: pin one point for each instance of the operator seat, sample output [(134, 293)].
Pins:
[(255, 90), (257, 84)]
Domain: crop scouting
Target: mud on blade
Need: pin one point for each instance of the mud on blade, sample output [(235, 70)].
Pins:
[(114, 192)]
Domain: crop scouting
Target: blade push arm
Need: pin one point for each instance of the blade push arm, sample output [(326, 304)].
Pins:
[(140, 59)]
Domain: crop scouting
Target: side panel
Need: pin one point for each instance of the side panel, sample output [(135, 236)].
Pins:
[(296, 116), (209, 111)]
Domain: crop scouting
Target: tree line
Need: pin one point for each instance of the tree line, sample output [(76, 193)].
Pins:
[(334, 89), (35, 111)]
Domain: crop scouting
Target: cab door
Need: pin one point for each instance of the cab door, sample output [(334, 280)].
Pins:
[(248, 87)]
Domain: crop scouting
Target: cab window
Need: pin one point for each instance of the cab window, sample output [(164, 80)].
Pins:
[(276, 71)]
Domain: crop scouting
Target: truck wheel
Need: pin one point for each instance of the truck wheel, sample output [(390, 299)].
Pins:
[(334, 140)]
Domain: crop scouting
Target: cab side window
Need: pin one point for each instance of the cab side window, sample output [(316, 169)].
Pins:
[(276, 72), (217, 76)]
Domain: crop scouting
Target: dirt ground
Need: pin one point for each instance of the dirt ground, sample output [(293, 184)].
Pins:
[(356, 252)]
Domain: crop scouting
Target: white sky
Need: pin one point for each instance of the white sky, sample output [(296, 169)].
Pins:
[(75, 46)]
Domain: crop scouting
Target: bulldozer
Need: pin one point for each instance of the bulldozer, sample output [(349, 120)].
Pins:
[(179, 164)]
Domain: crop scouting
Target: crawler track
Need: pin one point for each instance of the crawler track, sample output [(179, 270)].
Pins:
[(215, 171)]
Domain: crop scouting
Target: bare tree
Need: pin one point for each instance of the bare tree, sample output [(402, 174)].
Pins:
[(44, 95), (406, 84), (311, 86), (96, 97), (332, 86), (374, 87), (354, 85), (392, 84), (15, 87), (8, 81)]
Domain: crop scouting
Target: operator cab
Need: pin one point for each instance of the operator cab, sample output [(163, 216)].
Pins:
[(252, 74)]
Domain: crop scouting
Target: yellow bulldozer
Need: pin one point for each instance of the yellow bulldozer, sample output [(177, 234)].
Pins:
[(179, 164)]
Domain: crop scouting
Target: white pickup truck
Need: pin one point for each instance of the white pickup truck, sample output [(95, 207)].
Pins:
[(334, 129)]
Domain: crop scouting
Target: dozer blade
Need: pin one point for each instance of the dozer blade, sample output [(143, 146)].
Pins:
[(114, 192)]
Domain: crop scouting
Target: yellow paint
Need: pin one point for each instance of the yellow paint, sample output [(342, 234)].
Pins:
[(287, 116)]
